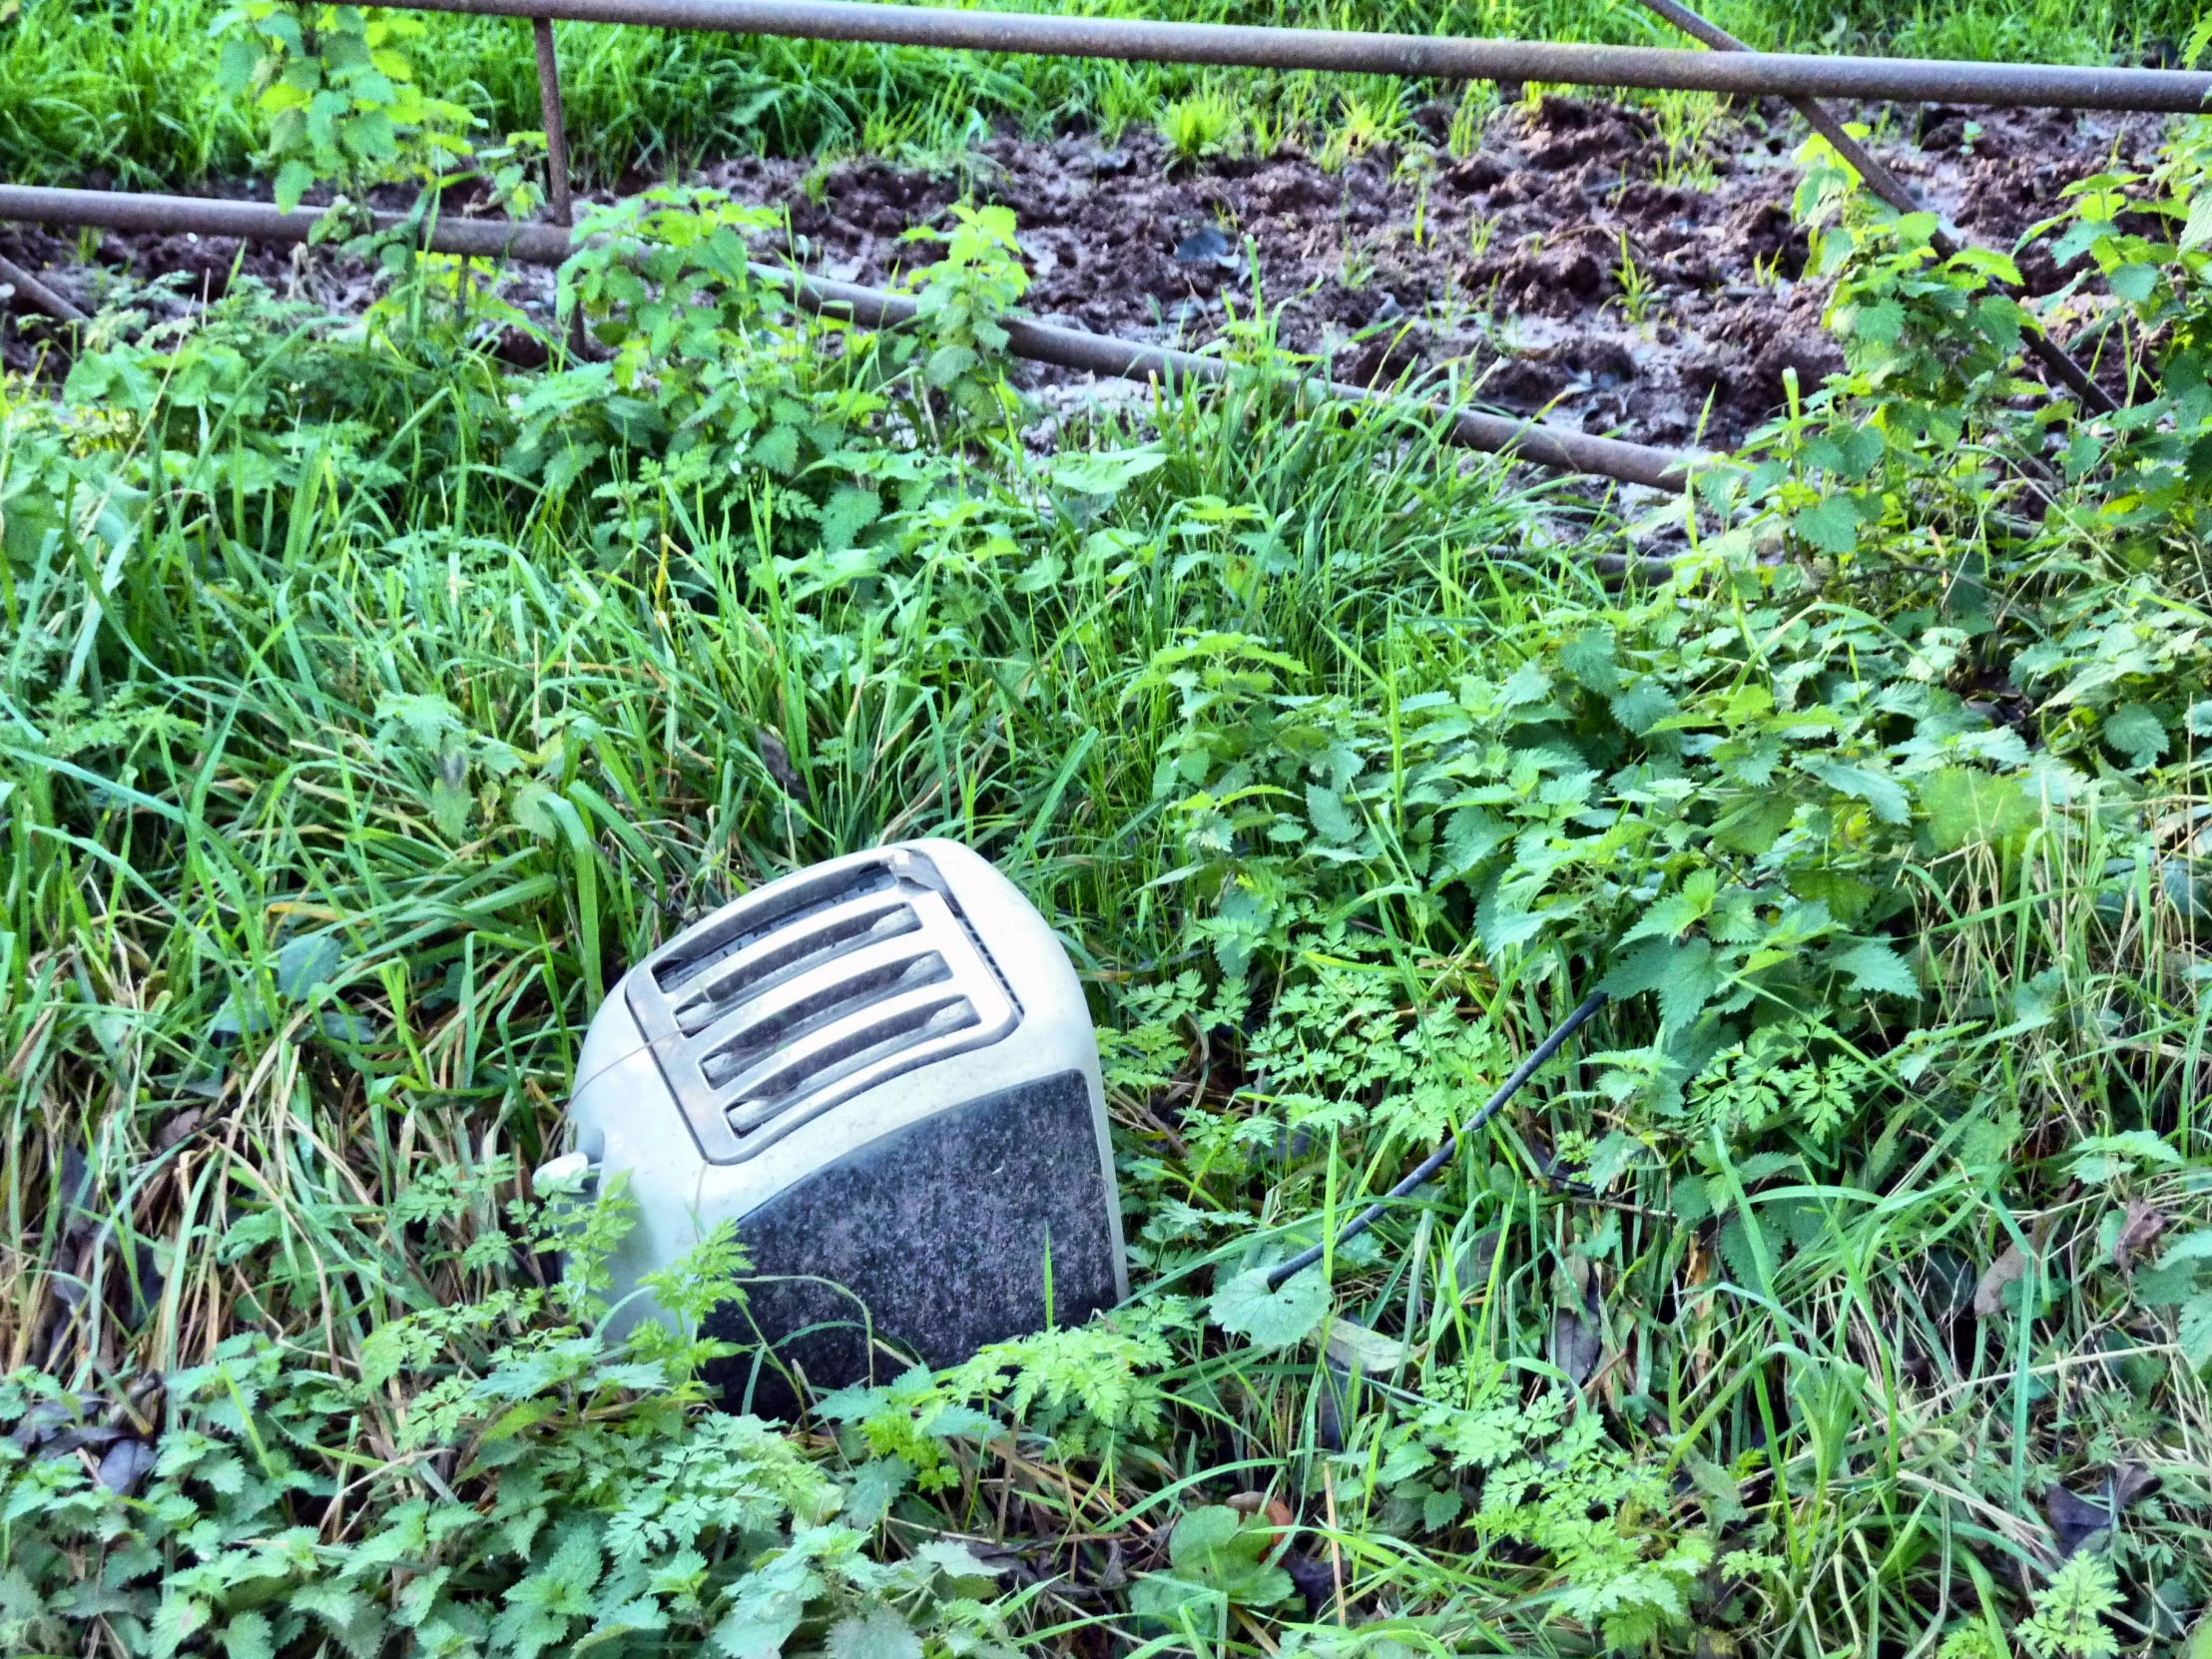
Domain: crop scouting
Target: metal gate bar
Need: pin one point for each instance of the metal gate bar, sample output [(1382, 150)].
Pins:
[(1438, 57)]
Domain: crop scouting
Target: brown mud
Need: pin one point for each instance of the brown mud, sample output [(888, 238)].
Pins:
[(1568, 267)]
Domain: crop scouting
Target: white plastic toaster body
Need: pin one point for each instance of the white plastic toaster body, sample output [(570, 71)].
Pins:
[(882, 1069)]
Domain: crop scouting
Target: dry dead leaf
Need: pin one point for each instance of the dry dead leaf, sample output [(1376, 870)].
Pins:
[(1575, 1346), (177, 1126), (2074, 1519)]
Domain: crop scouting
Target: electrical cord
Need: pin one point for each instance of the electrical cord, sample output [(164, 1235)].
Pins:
[(1451, 1145)]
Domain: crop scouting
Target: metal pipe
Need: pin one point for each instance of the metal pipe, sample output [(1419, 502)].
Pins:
[(1890, 188), (1632, 463), (1440, 57), (260, 221), (37, 294), (560, 206), (1446, 1149)]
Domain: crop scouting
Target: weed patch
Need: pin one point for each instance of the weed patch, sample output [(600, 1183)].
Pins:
[(371, 703)]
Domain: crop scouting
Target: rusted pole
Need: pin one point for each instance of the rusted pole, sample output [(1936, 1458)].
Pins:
[(37, 294), (560, 206), (1890, 188), (1436, 57), (1567, 452)]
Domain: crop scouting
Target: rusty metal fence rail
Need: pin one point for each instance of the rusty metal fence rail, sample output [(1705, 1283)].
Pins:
[(1731, 69), (1435, 57)]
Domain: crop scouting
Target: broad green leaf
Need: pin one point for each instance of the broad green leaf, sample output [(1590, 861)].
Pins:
[(2137, 733), (294, 180), (869, 1497), (249, 1636), (2195, 1336), (851, 510), (947, 363), (1272, 1319), (881, 1634), (1164, 1600), (306, 963), (175, 1620), (1875, 967), (953, 1559), (2190, 1246), (1883, 793), (1966, 807), (2134, 282), (1330, 814), (1673, 916), (532, 811), (450, 802), (1832, 525), (2102, 1158), (1221, 1549), (1471, 835), (1684, 974), (356, 1622), (1588, 660), (1104, 472)]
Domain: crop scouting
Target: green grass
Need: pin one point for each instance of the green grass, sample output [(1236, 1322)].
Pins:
[(129, 90), (370, 707)]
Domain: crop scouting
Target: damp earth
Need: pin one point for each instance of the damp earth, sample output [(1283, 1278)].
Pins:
[(1573, 264)]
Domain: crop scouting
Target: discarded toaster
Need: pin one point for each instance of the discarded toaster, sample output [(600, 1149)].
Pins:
[(882, 1068)]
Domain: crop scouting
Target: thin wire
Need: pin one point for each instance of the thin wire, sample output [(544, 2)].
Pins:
[(1444, 1153)]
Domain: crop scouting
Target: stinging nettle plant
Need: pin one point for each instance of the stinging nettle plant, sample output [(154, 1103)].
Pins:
[(339, 96)]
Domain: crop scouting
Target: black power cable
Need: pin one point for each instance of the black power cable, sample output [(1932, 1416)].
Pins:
[(1444, 1153)]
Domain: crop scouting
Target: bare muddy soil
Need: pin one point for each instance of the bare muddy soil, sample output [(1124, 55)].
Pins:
[(1514, 263), (1509, 261)]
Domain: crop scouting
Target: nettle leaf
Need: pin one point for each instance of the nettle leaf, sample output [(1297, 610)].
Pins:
[(2195, 1334), (2135, 283), (1471, 835), (1832, 525), (2191, 1246), (428, 720), (2138, 733), (2102, 1158), (1677, 914), (449, 805), (1966, 807), (1875, 967), (1884, 795), (869, 1499), (250, 1636), (851, 510), (1684, 974), (1588, 660), (356, 1622), (769, 1607), (881, 1634), (947, 363), (1246, 1306)]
